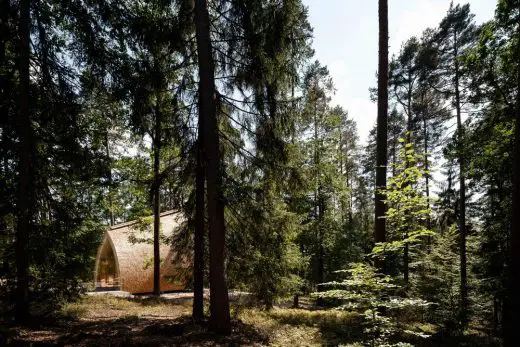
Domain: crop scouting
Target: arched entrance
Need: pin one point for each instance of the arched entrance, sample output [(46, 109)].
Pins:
[(107, 274)]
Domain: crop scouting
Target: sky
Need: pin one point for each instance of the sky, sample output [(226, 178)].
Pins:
[(346, 38)]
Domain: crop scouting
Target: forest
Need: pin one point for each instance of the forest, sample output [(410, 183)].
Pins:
[(297, 231)]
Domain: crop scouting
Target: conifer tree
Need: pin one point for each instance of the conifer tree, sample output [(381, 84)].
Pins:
[(382, 124), (404, 77), (219, 301), (455, 34)]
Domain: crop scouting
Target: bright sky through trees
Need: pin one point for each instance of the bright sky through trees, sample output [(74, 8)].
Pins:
[(345, 39)]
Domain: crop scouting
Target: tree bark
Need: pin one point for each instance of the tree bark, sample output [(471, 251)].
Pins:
[(110, 180), (219, 300), (382, 126), (296, 301), (340, 154), (157, 202), (321, 249), (198, 259), (25, 182), (406, 251), (426, 164), (318, 207), (5, 9)]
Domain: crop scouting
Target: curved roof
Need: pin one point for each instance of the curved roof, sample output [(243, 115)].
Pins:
[(133, 253)]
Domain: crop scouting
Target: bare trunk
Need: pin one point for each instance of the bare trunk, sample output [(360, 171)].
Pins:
[(296, 301), (382, 126), (427, 178), (340, 153), (321, 250), (5, 9), (495, 313), (349, 180), (25, 183), (394, 157), (110, 197), (350, 198), (426, 165), (198, 261), (318, 197), (406, 252), (157, 204), (219, 300)]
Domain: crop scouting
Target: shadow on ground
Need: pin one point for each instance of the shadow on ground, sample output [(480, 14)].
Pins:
[(129, 331), (153, 301), (158, 322)]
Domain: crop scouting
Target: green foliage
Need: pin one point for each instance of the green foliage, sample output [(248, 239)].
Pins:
[(438, 278), (69, 165), (110, 81), (268, 260), (370, 293), (408, 209)]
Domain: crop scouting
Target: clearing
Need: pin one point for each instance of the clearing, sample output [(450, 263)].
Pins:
[(108, 320)]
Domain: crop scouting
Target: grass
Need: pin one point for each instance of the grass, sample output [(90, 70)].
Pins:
[(106, 307), (299, 327), (113, 321)]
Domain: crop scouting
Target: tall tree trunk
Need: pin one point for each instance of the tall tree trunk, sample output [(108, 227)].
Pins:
[(382, 126), (350, 197), (511, 304), (296, 301), (495, 312), (462, 193), (321, 250), (172, 203), (426, 164), (25, 183), (394, 159), (5, 9), (341, 174), (198, 259), (406, 251), (318, 197), (110, 197), (427, 178), (349, 179), (157, 202), (219, 299)]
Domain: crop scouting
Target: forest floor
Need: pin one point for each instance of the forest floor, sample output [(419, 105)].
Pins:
[(106, 320)]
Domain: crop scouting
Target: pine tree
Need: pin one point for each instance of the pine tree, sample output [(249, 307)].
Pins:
[(200, 226), (258, 47), (382, 124), (431, 116), (455, 34), (405, 72), (50, 157), (219, 301)]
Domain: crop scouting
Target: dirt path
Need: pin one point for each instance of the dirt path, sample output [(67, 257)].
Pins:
[(233, 295)]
